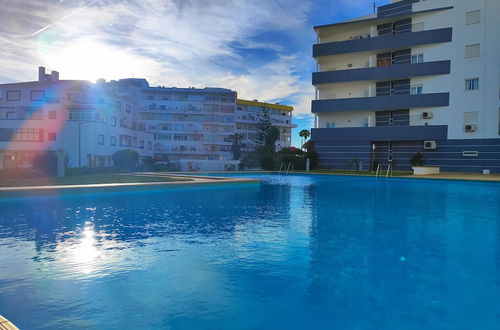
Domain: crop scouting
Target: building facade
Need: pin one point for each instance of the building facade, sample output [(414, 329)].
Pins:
[(76, 117), (249, 113), (416, 76), (189, 129), (193, 127)]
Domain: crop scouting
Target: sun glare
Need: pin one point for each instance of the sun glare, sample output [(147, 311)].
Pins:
[(91, 61)]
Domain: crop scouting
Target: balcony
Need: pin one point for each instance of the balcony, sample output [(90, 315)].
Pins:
[(392, 102), (382, 133), (392, 41), (390, 72)]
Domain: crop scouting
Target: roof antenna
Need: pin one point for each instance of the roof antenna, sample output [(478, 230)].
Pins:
[(374, 7)]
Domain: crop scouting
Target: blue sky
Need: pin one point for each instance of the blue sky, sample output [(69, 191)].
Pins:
[(260, 48)]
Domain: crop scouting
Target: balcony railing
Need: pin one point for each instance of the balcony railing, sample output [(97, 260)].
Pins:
[(390, 72), (392, 41), (381, 102), (382, 133)]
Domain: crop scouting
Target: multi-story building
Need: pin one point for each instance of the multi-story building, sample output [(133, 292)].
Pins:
[(187, 128), (416, 76), (76, 117), (249, 113), (193, 127)]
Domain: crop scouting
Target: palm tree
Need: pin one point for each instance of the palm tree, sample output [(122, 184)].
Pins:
[(305, 134), (236, 147)]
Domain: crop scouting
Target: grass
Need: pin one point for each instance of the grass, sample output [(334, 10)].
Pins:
[(84, 179)]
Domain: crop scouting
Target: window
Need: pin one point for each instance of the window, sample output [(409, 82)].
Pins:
[(118, 105), (417, 58), (163, 136), (128, 108), (113, 140), (150, 145), (13, 95), (100, 139), (472, 51), (37, 95), (52, 115), (330, 125), (473, 17), (471, 84), (51, 136), (80, 114), (113, 121), (125, 140), (162, 107), (416, 89), (21, 135), (498, 121), (150, 97), (141, 144), (180, 137), (33, 113)]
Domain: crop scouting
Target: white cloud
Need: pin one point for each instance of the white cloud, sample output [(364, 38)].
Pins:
[(172, 42)]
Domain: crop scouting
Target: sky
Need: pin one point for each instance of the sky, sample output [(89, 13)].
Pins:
[(259, 48)]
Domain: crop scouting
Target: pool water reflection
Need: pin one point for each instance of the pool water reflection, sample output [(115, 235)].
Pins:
[(296, 251)]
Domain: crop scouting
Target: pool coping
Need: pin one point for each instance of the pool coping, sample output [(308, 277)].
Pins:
[(6, 324)]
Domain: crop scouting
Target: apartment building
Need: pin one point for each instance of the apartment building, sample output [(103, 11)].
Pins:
[(193, 127), (249, 113), (416, 76), (190, 129), (76, 117)]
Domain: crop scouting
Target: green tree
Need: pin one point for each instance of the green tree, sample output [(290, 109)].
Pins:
[(265, 138), (236, 147)]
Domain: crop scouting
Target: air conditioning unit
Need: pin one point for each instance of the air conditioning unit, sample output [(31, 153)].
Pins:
[(427, 115), (470, 128), (430, 145)]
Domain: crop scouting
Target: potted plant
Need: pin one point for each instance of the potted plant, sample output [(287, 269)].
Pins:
[(418, 161)]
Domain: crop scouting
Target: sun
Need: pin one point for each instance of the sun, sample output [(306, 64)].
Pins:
[(91, 60)]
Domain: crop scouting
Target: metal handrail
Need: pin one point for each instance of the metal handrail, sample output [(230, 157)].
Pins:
[(378, 169), (281, 167), (288, 168), (388, 169)]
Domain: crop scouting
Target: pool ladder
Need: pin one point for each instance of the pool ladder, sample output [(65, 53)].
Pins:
[(283, 166), (379, 169)]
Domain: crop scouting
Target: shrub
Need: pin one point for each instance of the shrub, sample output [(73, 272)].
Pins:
[(126, 158), (418, 159)]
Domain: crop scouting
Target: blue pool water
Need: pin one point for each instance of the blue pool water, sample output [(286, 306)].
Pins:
[(294, 252)]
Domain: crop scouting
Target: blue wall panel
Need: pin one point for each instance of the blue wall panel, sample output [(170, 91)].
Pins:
[(335, 153)]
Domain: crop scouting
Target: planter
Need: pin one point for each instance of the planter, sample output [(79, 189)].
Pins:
[(425, 170)]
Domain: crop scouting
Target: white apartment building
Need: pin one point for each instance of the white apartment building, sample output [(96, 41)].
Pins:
[(76, 117), (416, 76), (190, 129), (193, 127), (249, 113)]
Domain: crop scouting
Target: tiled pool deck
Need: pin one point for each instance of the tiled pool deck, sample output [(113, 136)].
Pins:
[(6, 325), (459, 176), (190, 180)]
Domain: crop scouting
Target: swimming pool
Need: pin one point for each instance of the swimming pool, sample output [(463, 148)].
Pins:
[(294, 252)]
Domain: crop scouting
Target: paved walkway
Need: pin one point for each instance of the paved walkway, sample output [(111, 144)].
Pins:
[(193, 180), (458, 176), (6, 325)]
